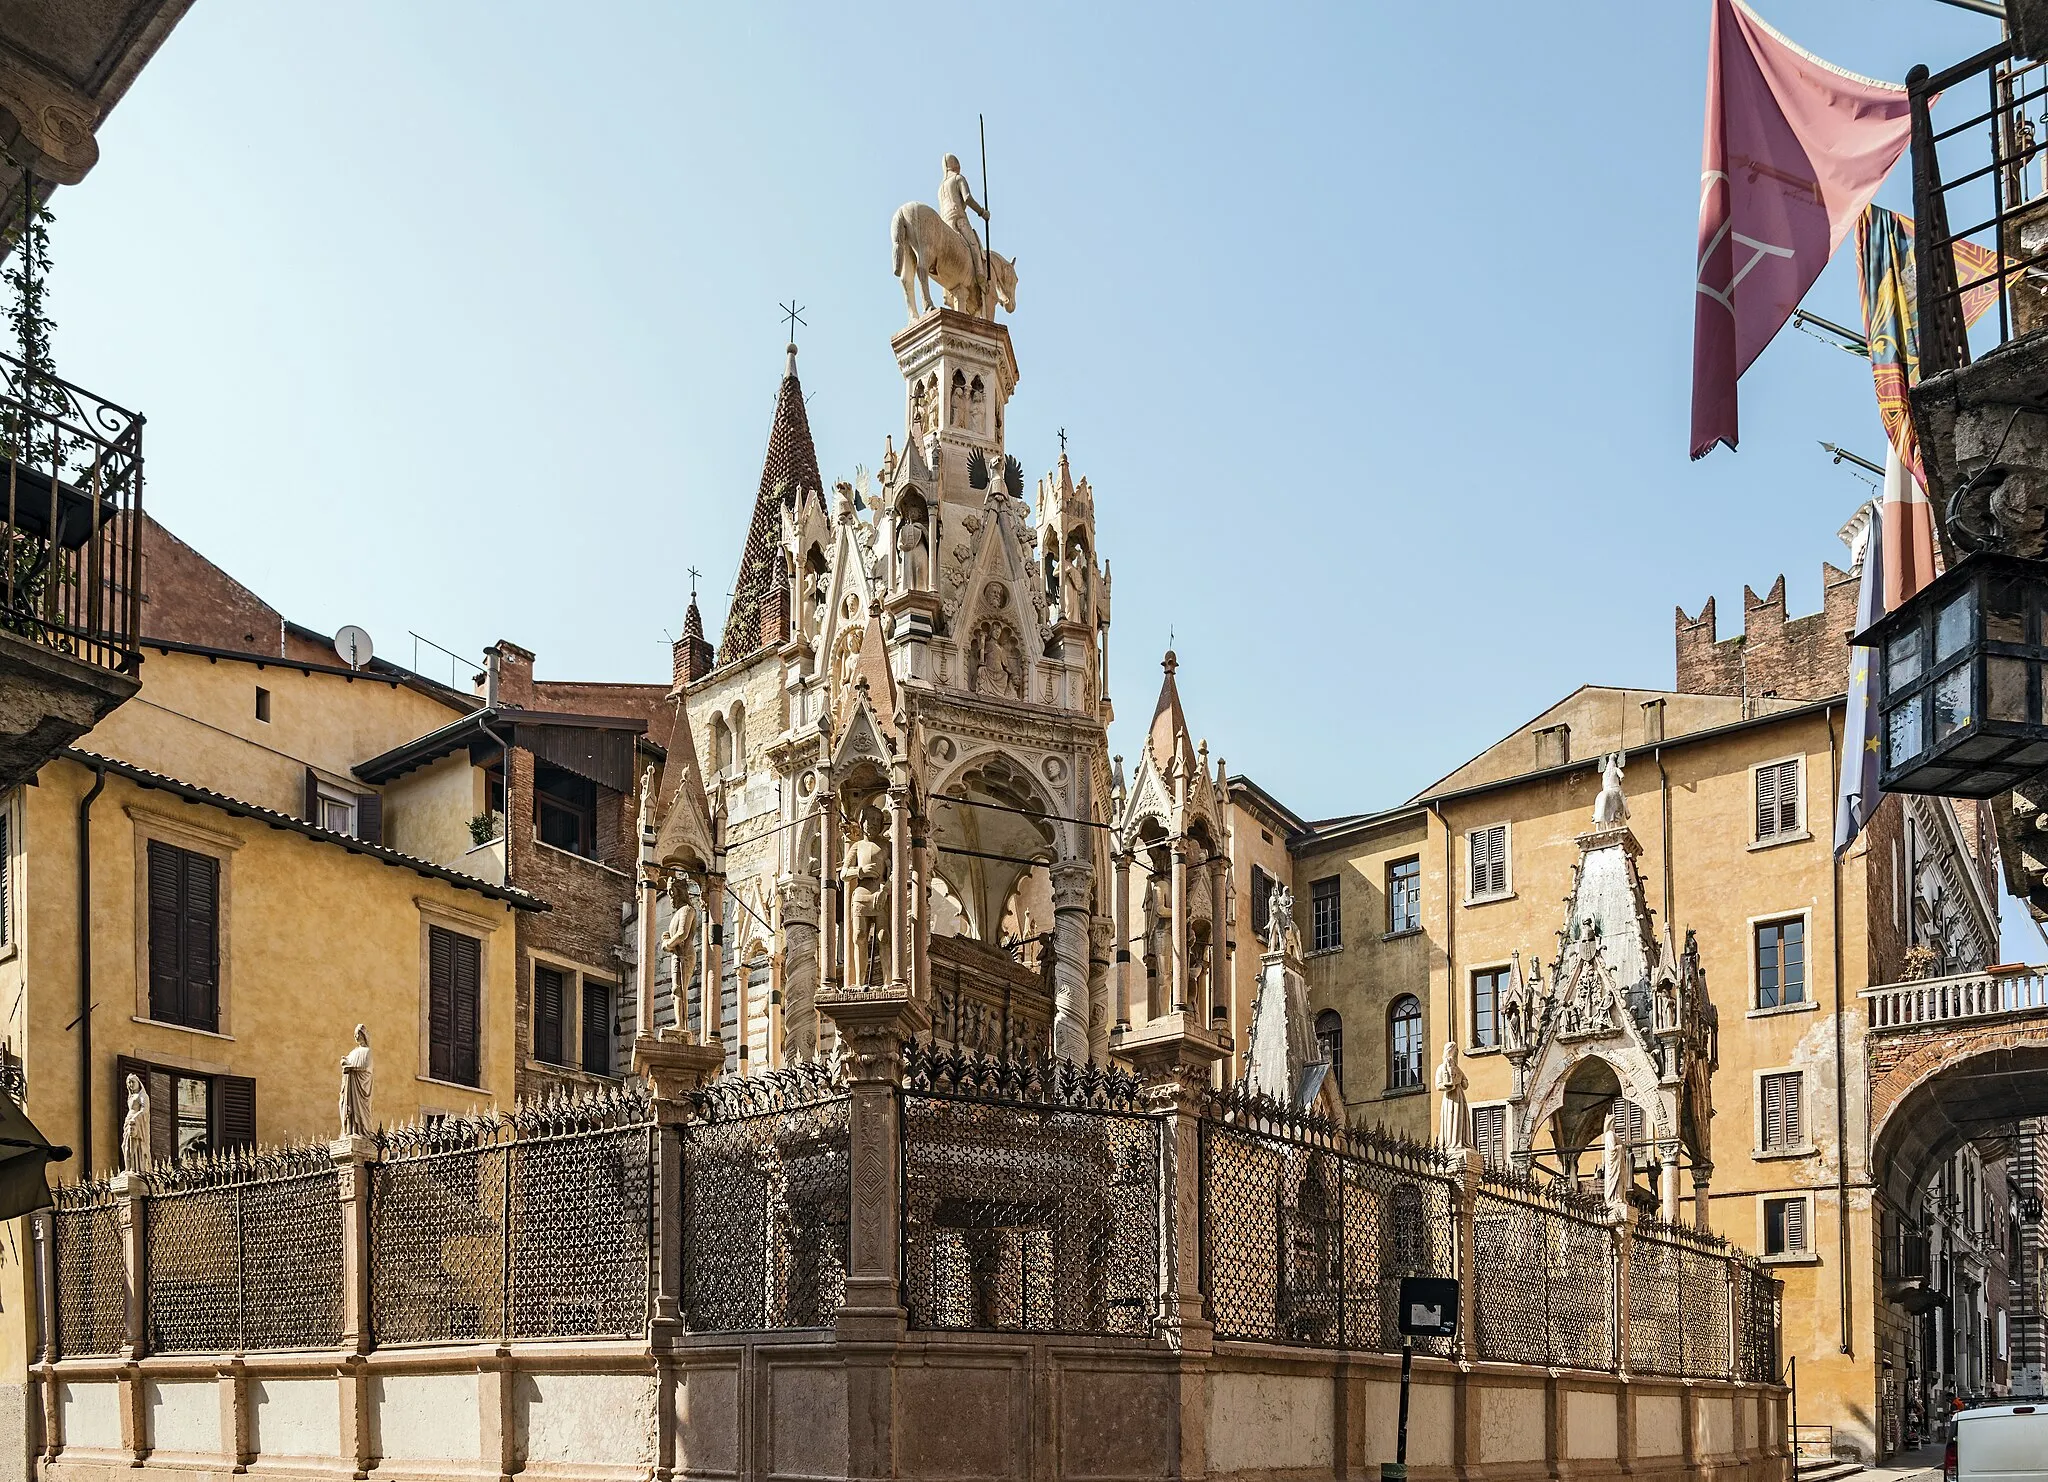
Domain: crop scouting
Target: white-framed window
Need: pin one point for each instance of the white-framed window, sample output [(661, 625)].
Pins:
[(1326, 913), (1787, 1227), (1781, 1111), (1490, 1132), (1779, 794), (1487, 876), (337, 809), (1404, 895), (1489, 986)]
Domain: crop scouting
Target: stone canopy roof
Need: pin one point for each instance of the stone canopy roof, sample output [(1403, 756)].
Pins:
[(789, 470)]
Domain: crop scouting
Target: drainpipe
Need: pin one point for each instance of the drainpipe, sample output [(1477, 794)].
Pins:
[(1841, 1054), (1451, 990), (99, 781), (1664, 833)]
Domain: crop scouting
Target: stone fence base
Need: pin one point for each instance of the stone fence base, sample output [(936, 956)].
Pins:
[(952, 1407)]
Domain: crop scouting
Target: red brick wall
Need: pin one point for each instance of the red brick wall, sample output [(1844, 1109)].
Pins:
[(188, 599), (1802, 658)]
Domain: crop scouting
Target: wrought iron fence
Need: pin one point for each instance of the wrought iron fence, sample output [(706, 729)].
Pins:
[(537, 1223), (1308, 1228), (71, 492), (1759, 1309), (767, 1199), (92, 1272), (1679, 1295), (1550, 1289), (244, 1251), (1031, 1195)]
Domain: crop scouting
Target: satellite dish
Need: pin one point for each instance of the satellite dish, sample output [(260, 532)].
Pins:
[(353, 645)]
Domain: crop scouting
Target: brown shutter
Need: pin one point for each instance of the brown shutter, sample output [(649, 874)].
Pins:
[(440, 1003), (1788, 796), (1795, 1114), (234, 1111), (1774, 1111), (549, 989), (163, 1115), (1795, 1225), (467, 989), (370, 817), (166, 934), (312, 797), (597, 1027), (202, 940)]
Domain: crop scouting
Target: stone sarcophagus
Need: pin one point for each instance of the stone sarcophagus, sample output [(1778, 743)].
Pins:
[(985, 1000)]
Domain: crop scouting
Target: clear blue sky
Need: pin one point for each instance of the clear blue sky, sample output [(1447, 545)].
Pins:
[(1371, 324)]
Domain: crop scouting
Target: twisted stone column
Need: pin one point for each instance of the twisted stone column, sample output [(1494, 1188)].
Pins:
[(1101, 947), (799, 969), (1070, 881)]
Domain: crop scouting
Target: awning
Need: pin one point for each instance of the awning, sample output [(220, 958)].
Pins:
[(25, 1155)]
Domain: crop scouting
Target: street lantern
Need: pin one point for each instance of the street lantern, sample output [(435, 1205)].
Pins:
[(1960, 680)]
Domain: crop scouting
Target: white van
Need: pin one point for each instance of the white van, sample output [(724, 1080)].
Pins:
[(1999, 1443)]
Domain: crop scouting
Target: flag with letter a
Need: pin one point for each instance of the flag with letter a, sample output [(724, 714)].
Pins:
[(1795, 149)]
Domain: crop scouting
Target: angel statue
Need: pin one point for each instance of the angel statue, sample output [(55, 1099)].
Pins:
[(1611, 807), (135, 1128), (356, 1067)]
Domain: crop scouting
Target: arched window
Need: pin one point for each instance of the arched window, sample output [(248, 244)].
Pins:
[(1330, 1045), (721, 744), (739, 735), (1404, 1043)]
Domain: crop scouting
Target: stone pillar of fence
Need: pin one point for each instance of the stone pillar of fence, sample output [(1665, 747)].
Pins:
[(352, 1159), (131, 1190), (1470, 1168), (674, 1064), (873, 1025), (1175, 1054), (1623, 1242), (43, 1235)]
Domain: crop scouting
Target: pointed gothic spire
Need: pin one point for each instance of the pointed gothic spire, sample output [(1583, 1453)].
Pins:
[(789, 471), (1168, 738), (691, 659)]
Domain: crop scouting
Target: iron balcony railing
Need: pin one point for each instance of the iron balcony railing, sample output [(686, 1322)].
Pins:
[(70, 518), (1998, 149), (1978, 995)]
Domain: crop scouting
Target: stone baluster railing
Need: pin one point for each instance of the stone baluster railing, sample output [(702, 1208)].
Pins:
[(1976, 995)]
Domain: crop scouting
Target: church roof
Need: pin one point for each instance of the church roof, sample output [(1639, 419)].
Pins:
[(789, 469)]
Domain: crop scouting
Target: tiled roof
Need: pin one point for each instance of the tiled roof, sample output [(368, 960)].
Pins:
[(789, 469), (191, 792)]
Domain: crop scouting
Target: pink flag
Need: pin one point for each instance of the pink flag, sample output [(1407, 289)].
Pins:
[(1795, 150)]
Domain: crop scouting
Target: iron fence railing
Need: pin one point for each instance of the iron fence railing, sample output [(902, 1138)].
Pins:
[(767, 1197), (71, 498), (244, 1252), (91, 1271), (1031, 1196), (1551, 1285), (1681, 1303), (1997, 186), (1308, 1228), (535, 1223)]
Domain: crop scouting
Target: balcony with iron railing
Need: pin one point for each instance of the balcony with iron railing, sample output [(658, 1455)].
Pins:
[(70, 562)]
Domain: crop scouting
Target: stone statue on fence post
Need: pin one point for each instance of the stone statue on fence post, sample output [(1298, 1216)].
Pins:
[(135, 1128), (356, 1068), (1452, 1118)]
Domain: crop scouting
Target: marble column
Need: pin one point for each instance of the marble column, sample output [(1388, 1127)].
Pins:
[(921, 909), (899, 879), (799, 896), (1120, 927), (1177, 949), (1218, 1007), (1101, 964), (1070, 880), (828, 890)]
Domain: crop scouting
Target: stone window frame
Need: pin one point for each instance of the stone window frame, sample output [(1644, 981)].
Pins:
[(1800, 832), (1507, 863), (1472, 973), (1808, 1004), (1761, 1151), (576, 971), (1809, 1255), (1316, 947), (219, 845), (470, 924)]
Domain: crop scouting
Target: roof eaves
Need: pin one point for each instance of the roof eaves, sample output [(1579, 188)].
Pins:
[(191, 792)]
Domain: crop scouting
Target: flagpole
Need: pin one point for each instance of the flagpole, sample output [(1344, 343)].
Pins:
[(1982, 7)]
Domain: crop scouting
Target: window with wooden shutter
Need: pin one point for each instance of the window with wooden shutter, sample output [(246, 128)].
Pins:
[(184, 936), (1262, 902), (1487, 861), (1777, 800), (1784, 1115), (454, 987), (550, 989), (597, 1027), (1490, 1133), (370, 817), (234, 1111), (1785, 1227)]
